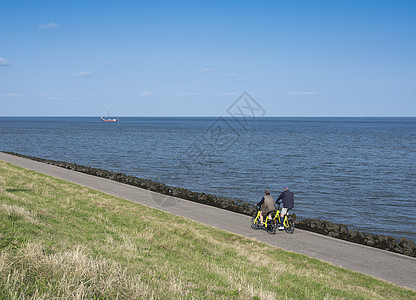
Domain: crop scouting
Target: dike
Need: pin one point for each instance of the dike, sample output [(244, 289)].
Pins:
[(339, 231)]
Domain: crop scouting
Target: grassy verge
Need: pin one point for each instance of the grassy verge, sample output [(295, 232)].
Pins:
[(61, 240)]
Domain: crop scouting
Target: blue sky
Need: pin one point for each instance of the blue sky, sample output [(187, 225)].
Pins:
[(190, 58)]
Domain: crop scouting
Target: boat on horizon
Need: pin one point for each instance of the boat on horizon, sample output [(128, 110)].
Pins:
[(108, 118)]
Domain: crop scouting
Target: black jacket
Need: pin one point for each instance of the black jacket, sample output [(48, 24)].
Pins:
[(287, 198)]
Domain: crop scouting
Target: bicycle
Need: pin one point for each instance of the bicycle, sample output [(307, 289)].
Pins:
[(268, 224), (288, 222)]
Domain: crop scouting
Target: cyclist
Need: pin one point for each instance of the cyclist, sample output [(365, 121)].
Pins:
[(267, 205), (288, 200)]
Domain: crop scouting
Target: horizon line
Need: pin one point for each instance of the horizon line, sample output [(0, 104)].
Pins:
[(200, 116)]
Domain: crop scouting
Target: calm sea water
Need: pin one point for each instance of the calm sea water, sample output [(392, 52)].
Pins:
[(356, 171)]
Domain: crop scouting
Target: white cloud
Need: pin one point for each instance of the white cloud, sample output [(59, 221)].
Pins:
[(54, 97), (226, 94), (186, 95), (48, 26), (65, 97), (146, 94), (84, 74), (302, 93), (13, 95), (232, 75), (4, 62), (207, 70)]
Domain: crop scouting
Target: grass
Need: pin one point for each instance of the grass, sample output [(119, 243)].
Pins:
[(61, 240)]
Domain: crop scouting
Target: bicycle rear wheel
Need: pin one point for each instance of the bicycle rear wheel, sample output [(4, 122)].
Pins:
[(271, 227), (289, 225), (255, 223)]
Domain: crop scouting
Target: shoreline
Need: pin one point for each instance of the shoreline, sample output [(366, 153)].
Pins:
[(340, 231)]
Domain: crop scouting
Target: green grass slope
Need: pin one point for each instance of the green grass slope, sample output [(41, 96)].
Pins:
[(61, 240)]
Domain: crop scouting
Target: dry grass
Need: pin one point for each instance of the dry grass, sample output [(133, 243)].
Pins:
[(60, 240), (72, 274), (20, 211)]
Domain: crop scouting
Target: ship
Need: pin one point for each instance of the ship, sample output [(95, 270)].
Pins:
[(108, 118)]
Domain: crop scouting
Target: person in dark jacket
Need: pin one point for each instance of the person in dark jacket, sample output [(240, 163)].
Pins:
[(266, 204), (288, 199)]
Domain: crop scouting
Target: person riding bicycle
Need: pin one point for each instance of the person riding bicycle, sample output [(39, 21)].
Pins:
[(267, 206), (288, 200)]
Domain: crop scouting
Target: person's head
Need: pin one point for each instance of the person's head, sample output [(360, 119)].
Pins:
[(285, 188), (267, 192)]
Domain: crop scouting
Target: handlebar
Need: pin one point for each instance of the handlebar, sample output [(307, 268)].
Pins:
[(276, 204)]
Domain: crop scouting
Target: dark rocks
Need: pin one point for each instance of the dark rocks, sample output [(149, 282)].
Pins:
[(340, 231)]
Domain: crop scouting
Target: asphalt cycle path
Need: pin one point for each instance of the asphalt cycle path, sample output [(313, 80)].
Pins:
[(389, 266)]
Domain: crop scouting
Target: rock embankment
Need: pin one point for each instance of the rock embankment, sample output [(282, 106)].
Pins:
[(340, 231)]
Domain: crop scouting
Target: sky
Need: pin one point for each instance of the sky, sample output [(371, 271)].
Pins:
[(196, 58)]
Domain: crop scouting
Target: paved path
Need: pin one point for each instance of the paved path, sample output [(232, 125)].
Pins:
[(389, 266)]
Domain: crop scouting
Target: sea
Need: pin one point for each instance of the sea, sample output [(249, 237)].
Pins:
[(356, 171)]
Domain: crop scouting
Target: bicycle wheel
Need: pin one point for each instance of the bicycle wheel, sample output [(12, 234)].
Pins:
[(255, 223), (271, 227), (289, 225)]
